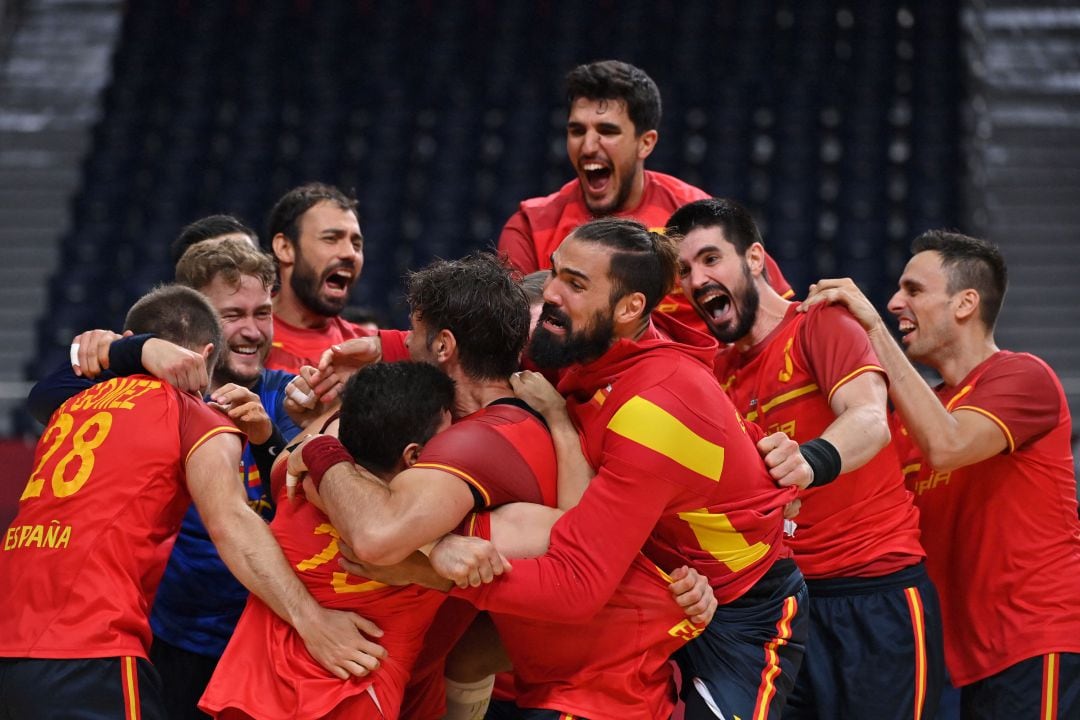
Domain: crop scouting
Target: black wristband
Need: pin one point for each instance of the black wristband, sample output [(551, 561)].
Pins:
[(264, 456), (823, 459), (125, 355)]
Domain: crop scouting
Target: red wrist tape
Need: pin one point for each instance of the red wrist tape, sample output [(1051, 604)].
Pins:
[(321, 454)]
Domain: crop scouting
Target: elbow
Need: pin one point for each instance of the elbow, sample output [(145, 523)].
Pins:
[(944, 454), (373, 547)]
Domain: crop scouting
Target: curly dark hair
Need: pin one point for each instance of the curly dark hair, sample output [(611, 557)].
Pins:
[(616, 80), (476, 299)]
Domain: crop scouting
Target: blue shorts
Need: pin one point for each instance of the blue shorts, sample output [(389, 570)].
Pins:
[(116, 688), (875, 649), (745, 662), (1049, 684)]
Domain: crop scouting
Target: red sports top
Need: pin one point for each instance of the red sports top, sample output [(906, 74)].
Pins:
[(677, 470), (294, 347), (864, 523), (98, 518), (266, 670), (1002, 537), (541, 224), (615, 667)]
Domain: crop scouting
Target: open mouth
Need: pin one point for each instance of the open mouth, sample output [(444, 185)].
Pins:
[(597, 176), (906, 328), (716, 303), (554, 320), (339, 281), (246, 350)]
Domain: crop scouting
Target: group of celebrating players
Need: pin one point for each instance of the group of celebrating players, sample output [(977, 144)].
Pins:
[(610, 462)]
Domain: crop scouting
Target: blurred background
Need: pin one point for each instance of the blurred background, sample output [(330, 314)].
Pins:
[(847, 126)]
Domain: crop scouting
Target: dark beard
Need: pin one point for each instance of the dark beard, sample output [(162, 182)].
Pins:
[(305, 285), (549, 351), (615, 205), (745, 315)]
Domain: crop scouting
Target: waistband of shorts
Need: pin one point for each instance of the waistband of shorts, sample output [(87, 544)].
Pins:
[(833, 587), (777, 579)]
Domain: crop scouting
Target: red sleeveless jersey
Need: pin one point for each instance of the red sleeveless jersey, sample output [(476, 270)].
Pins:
[(267, 672), (541, 224), (864, 523), (83, 558), (1002, 536)]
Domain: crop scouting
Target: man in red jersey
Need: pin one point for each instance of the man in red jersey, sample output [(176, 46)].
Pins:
[(614, 114), (988, 456), (115, 471), (315, 237), (814, 376), (687, 484), (388, 412)]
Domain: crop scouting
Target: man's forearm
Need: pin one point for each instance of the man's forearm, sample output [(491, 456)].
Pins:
[(858, 434), (574, 470)]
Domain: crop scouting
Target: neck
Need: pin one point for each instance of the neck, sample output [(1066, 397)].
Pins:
[(771, 311), (637, 191), (954, 362), (471, 395), (288, 307)]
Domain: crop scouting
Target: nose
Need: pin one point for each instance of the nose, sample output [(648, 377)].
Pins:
[(248, 328), (549, 294), (897, 302), (590, 144)]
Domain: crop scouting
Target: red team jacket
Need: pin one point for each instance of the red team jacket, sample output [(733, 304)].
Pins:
[(863, 524), (680, 476), (541, 224), (1002, 537), (98, 518)]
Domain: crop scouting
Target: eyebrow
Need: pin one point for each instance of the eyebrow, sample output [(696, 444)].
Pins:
[(568, 271), (707, 249)]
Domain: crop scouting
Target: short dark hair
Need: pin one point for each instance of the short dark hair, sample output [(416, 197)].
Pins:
[(386, 406), (477, 299), (736, 221), (641, 260), (616, 80), (286, 213), (969, 263), (229, 258), (208, 228), (180, 315), (533, 285)]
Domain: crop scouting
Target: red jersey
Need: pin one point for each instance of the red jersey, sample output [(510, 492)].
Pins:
[(294, 347), (540, 225), (98, 518), (677, 473), (863, 524), (1002, 537), (617, 666), (266, 670)]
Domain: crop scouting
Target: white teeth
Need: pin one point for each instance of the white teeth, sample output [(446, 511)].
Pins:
[(588, 167), (246, 349)]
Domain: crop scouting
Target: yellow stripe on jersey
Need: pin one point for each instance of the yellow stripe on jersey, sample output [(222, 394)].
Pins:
[(995, 419), (852, 375), (753, 415), (651, 426), (340, 582), (716, 535), (457, 472), (209, 434), (956, 398)]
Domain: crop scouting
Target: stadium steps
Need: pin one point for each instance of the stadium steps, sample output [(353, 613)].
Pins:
[(1024, 162), (51, 77)]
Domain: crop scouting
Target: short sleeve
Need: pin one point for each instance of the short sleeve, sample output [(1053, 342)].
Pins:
[(836, 348), (199, 423), (1019, 394)]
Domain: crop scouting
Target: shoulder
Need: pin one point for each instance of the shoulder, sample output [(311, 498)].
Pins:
[(674, 187), (834, 320)]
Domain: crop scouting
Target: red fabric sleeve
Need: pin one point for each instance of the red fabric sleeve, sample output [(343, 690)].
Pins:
[(198, 423), (1018, 394), (591, 548), (836, 347), (393, 345), (482, 456), (516, 243)]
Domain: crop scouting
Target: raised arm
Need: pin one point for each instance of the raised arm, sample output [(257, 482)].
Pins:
[(947, 440)]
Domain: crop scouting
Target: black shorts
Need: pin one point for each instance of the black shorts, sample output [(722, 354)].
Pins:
[(1047, 683), (875, 649), (745, 661), (116, 688)]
